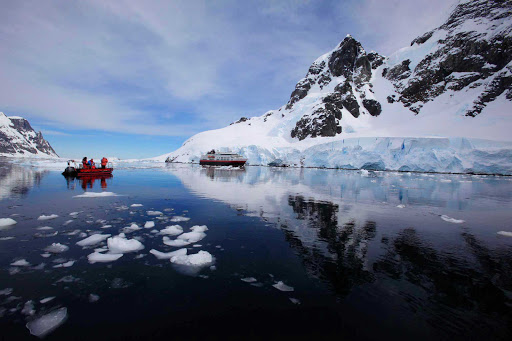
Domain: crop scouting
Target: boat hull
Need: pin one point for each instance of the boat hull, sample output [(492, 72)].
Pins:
[(86, 172), (235, 163)]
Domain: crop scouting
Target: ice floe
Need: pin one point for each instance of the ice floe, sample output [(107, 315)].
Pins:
[(168, 255), (74, 214), (6, 238), (401, 206), (136, 205), (45, 255), (451, 220), (201, 258), (249, 279), (294, 300), (119, 244), (21, 262), (67, 222), (6, 292), (44, 228), (154, 213), (93, 298), (28, 308), (96, 195), (97, 257), (7, 222), (45, 324), (178, 218), (175, 243), (47, 217), (505, 233), (47, 299), (56, 248), (149, 224), (65, 265), (132, 228), (283, 287), (93, 240), (172, 230)]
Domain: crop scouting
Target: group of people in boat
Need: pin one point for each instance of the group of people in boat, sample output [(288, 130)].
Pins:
[(91, 164)]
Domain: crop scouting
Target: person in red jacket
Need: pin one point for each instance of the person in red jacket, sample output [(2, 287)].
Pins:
[(104, 162)]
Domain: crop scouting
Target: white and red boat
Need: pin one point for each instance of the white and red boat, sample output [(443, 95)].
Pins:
[(222, 159)]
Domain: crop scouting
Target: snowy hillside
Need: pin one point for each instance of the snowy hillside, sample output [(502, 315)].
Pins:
[(427, 107), (17, 138)]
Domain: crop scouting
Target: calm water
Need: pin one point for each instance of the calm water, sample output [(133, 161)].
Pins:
[(360, 267)]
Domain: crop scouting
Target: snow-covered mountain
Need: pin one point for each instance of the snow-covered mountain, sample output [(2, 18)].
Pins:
[(436, 105), (17, 138)]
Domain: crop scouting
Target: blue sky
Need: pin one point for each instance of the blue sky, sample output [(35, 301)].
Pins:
[(135, 79)]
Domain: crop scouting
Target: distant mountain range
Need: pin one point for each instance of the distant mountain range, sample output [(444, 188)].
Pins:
[(454, 81), (17, 138)]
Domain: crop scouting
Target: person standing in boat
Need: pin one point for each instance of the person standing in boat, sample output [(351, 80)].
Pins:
[(84, 162), (91, 163), (104, 162)]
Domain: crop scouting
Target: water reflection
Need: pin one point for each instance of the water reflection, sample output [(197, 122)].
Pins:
[(16, 181), (88, 182)]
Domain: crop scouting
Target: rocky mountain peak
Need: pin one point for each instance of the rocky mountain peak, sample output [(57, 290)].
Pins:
[(17, 137)]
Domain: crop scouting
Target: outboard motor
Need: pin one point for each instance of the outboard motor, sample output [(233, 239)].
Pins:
[(69, 171)]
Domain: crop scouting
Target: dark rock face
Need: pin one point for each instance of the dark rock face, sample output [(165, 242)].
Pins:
[(463, 58), (242, 119), (350, 62), (373, 107), (18, 137)]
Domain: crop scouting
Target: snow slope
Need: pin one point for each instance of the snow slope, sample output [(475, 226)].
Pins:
[(442, 104)]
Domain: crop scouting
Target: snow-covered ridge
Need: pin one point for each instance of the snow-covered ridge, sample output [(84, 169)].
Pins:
[(17, 138), (451, 87)]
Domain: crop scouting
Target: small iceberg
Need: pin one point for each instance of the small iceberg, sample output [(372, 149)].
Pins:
[(505, 233), (119, 244), (149, 224), (4, 222), (283, 287), (56, 248), (21, 262), (168, 255), (451, 220), (154, 213), (178, 218), (97, 257), (45, 324), (172, 230), (96, 195), (93, 240), (136, 205), (199, 259), (249, 279), (47, 217)]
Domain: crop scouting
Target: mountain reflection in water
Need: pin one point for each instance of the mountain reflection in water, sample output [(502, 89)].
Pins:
[(349, 233)]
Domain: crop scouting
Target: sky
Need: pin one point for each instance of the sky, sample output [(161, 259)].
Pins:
[(135, 79)]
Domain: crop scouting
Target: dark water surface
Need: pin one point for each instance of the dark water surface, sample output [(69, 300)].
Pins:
[(360, 267)]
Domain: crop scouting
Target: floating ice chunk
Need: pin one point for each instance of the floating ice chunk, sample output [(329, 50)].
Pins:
[(28, 308), (93, 240), (168, 255), (14, 271), (283, 287), (451, 220), (132, 228), (73, 233), (249, 279), (119, 244), (192, 237), (45, 255), (46, 235), (401, 206), (106, 226), (175, 243), (44, 228), (47, 217), (364, 172), (136, 205), (505, 233), (6, 292), (93, 298), (21, 262), (7, 222), (154, 213), (149, 224), (56, 248), (47, 299), (199, 228), (96, 195), (294, 300), (97, 257), (6, 238), (201, 258), (39, 266), (178, 218), (45, 324), (197, 245), (172, 230), (65, 265), (74, 214)]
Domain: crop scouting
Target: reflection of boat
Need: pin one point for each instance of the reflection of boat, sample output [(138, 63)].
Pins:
[(222, 159), (87, 181), (78, 170)]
